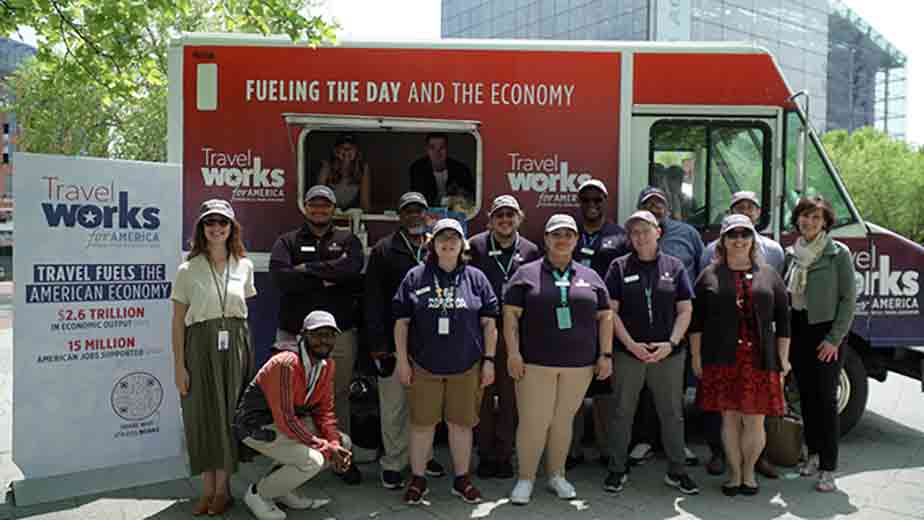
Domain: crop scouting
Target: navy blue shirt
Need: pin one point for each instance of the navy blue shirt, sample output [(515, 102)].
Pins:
[(598, 250), (667, 283), (464, 296), (493, 261), (533, 289)]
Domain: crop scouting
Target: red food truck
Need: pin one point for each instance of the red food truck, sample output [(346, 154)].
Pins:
[(251, 119)]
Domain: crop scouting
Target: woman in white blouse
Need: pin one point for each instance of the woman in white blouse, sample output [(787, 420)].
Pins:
[(211, 347)]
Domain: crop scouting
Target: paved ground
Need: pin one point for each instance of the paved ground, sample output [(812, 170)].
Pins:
[(882, 478)]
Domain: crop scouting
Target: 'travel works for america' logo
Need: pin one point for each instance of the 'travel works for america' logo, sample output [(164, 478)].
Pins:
[(548, 176), (106, 213), (244, 174)]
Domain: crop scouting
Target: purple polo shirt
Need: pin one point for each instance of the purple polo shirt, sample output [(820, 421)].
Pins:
[(533, 289), (666, 279), (493, 260), (464, 296), (598, 250)]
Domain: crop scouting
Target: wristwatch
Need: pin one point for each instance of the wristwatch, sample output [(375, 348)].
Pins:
[(487, 358), (674, 344), (607, 355)]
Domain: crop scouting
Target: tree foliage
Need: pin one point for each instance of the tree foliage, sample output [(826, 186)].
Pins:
[(885, 177), (98, 84)]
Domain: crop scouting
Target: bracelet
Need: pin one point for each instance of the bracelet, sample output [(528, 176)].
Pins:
[(487, 358)]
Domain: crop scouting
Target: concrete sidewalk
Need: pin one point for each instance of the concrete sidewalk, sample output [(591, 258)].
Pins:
[(881, 477)]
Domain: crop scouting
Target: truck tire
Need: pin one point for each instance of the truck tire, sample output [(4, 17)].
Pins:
[(853, 389)]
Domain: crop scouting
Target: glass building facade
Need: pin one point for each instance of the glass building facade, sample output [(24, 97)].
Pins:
[(797, 32)]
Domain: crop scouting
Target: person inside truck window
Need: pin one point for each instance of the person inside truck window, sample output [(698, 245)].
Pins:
[(820, 277), (444, 181), (347, 173), (739, 341), (213, 356)]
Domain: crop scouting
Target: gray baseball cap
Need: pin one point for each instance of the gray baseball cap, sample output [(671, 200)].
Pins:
[(320, 191), (504, 201), (644, 216), (593, 183), (412, 197), (744, 195), (448, 223), (650, 192), (318, 320), (559, 221), (737, 221), (216, 207)]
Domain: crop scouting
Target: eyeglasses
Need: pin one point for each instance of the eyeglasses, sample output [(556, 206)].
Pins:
[(592, 200), (739, 234), (216, 222)]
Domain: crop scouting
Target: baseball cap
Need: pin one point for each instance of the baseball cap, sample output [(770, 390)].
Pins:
[(504, 201), (643, 215), (448, 223), (737, 221), (216, 207), (318, 320), (649, 192), (320, 191), (412, 197), (593, 183), (559, 221), (744, 195), (345, 139)]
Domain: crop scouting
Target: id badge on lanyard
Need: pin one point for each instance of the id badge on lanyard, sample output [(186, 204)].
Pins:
[(224, 337), (442, 326), (563, 311)]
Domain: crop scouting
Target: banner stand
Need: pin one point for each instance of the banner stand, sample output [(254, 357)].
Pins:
[(33, 491)]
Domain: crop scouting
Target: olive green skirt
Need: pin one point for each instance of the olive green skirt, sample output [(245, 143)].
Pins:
[(216, 380)]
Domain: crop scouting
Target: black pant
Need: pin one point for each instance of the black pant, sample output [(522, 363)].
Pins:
[(817, 383)]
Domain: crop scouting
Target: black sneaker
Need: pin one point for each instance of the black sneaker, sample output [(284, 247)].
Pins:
[(487, 468), (504, 469), (352, 476), (435, 469), (615, 481), (683, 482), (573, 462), (392, 479)]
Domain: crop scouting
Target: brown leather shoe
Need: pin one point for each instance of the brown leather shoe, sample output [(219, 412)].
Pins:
[(766, 469), (220, 504), (202, 506)]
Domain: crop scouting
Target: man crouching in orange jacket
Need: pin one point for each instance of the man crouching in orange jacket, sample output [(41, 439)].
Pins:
[(287, 414)]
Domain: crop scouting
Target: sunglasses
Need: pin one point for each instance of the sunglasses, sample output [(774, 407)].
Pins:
[(504, 214), (323, 335), (216, 222), (591, 200), (739, 234)]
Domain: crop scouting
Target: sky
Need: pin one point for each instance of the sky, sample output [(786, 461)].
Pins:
[(898, 20)]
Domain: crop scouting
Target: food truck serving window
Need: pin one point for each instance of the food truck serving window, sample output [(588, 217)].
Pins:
[(371, 162)]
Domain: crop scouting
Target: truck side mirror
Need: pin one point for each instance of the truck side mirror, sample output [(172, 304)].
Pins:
[(801, 143)]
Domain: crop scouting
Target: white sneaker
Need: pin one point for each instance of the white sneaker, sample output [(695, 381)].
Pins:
[(810, 467), (260, 507), (522, 492), (640, 453), (295, 501), (561, 487)]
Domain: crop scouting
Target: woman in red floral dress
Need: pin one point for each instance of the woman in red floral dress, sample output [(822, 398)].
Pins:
[(739, 343)]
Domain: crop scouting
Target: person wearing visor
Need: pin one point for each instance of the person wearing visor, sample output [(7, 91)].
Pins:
[(683, 242), (287, 414), (445, 338), (317, 267), (739, 341), (213, 357), (600, 241), (558, 330), (389, 261), (498, 253), (650, 294)]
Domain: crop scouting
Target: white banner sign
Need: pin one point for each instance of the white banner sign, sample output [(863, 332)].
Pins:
[(96, 246)]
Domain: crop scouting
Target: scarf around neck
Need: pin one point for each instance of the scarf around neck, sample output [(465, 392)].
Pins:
[(804, 255)]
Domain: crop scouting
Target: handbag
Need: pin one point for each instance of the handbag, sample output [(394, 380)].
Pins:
[(784, 440)]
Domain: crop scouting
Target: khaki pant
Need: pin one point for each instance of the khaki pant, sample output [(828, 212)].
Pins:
[(344, 355), (548, 398), (299, 463), (394, 414)]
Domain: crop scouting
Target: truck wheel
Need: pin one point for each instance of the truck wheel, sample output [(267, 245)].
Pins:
[(853, 389)]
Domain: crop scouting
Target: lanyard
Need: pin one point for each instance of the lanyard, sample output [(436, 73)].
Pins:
[(417, 251), (562, 281), (447, 294), (222, 296), (648, 302), (505, 270), (588, 240)]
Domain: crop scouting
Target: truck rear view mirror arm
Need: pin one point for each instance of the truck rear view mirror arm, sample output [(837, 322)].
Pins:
[(803, 136)]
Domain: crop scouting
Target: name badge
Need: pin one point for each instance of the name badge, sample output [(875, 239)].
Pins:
[(587, 251), (630, 279), (581, 283), (562, 283), (308, 249), (422, 290), (585, 262), (748, 276), (496, 252), (563, 317), (442, 326), (223, 340)]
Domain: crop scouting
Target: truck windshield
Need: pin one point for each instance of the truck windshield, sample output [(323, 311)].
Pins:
[(819, 180)]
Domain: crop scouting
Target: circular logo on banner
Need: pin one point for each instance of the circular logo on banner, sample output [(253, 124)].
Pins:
[(137, 396)]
